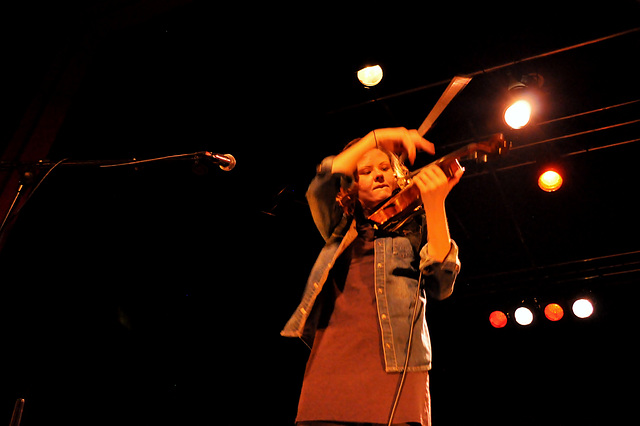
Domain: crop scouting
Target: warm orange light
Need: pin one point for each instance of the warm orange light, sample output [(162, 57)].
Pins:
[(553, 312), (518, 114), (498, 319), (550, 181)]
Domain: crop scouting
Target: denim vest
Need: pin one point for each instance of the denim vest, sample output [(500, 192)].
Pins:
[(398, 260)]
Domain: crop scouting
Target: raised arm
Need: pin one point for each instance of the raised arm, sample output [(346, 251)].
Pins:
[(434, 187), (398, 140)]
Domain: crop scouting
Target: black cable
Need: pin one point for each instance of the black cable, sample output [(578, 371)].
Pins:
[(13, 204), (414, 319), (47, 174), (19, 192), (151, 160)]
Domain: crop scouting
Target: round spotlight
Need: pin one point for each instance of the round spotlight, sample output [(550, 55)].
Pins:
[(498, 319), (553, 312), (523, 316), (370, 76), (518, 114), (582, 308), (550, 180)]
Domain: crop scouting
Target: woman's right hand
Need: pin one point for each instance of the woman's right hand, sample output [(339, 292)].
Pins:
[(402, 141), (396, 139)]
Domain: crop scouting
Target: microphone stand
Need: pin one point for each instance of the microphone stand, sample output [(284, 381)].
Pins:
[(225, 161)]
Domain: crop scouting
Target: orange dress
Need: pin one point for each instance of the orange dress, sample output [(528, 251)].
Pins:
[(345, 380)]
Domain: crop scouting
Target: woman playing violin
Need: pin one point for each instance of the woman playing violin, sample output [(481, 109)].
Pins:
[(368, 286)]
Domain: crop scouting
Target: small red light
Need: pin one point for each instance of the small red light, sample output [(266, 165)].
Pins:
[(553, 312), (498, 319)]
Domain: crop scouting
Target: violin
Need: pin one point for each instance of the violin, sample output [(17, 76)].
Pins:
[(392, 213)]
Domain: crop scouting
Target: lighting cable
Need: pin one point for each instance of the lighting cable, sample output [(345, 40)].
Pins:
[(488, 70)]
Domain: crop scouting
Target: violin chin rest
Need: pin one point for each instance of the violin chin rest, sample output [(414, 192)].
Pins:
[(407, 200)]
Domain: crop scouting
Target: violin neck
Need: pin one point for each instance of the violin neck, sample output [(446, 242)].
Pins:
[(449, 162)]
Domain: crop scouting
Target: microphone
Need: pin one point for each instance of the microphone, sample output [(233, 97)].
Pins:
[(225, 161)]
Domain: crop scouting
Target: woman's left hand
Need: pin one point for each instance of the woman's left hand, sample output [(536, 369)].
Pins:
[(434, 185)]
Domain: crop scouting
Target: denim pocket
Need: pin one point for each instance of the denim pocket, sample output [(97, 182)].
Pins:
[(402, 247)]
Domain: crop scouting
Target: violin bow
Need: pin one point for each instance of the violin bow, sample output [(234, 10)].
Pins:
[(455, 86)]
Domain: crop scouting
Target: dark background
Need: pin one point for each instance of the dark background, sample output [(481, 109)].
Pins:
[(155, 294)]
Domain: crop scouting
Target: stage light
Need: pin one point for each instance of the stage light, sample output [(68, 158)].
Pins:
[(553, 312), (498, 319), (582, 308), (524, 97), (518, 114), (550, 180), (370, 76), (523, 316)]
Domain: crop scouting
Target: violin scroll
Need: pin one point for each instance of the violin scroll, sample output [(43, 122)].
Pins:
[(495, 146)]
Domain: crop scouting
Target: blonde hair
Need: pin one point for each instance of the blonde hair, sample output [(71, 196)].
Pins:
[(348, 197)]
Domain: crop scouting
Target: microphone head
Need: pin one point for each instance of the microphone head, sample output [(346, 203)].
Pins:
[(225, 161), (231, 165)]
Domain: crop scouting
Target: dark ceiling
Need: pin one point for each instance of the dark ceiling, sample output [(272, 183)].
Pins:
[(155, 294)]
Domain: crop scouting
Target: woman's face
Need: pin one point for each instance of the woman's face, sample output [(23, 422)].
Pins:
[(376, 180)]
